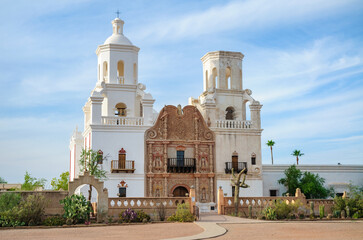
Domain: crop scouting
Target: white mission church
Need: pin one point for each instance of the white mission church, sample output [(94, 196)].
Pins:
[(165, 154)]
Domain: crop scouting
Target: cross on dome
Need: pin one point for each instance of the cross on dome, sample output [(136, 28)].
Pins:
[(118, 13)]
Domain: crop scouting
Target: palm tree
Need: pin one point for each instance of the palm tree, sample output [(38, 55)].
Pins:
[(297, 154), (271, 143)]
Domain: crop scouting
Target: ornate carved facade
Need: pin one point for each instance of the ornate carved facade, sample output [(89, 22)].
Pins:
[(180, 154)]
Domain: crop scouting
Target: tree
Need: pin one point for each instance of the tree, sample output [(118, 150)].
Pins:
[(271, 143), (312, 185), (31, 183), (291, 180), (61, 183), (2, 180), (90, 162), (297, 154), (236, 182)]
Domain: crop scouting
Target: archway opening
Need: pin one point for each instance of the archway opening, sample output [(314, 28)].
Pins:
[(91, 195), (180, 192)]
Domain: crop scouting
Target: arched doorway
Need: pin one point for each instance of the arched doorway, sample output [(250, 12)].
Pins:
[(180, 191)]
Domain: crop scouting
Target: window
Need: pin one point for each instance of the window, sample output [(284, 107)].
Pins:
[(233, 189), (273, 193), (122, 192), (120, 72), (339, 194), (228, 78), (180, 158), (253, 159)]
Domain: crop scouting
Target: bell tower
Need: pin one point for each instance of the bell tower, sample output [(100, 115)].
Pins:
[(222, 70)]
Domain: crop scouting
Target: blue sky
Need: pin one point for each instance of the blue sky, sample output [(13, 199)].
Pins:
[(303, 62)]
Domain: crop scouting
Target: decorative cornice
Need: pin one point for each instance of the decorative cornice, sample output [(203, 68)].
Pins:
[(116, 47), (222, 54)]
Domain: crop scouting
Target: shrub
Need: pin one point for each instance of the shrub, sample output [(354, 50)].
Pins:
[(128, 216), (8, 201), (54, 221), (182, 214), (76, 209), (284, 210), (31, 210), (141, 216), (351, 206), (161, 211), (269, 213), (10, 218)]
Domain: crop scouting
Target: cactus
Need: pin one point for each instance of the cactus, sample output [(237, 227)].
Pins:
[(342, 214), (312, 210), (250, 211), (321, 211), (347, 211), (237, 183)]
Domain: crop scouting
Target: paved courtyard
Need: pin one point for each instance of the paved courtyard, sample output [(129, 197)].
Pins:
[(212, 225)]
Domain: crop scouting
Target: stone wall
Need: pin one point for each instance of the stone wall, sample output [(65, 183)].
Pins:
[(53, 206)]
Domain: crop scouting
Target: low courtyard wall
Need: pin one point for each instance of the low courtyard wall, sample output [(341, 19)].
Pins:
[(226, 204), (53, 207), (149, 205)]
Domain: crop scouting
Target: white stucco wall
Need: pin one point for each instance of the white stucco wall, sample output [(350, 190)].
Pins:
[(335, 176)]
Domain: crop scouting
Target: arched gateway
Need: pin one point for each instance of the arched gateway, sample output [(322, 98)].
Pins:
[(102, 197)]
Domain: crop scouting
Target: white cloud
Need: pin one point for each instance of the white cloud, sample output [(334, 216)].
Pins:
[(242, 15)]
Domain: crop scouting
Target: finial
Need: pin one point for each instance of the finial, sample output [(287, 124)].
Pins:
[(118, 13)]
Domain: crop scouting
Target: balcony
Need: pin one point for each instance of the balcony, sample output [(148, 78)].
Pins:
[(233, 124), (235, 165), (122, 166), (181, 165), (123, 121), (120, 80)]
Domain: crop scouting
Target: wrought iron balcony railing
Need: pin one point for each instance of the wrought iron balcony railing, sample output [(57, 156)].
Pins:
[(237, 166), (181, 165)]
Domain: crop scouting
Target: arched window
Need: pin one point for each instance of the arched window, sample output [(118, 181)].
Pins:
[(105, 71), (215, 78), (228, 78), (120, 72), (229, 113), (121, 110), (135, 73)]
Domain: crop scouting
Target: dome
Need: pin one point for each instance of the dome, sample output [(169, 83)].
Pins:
[(118, 39), (117, 36)]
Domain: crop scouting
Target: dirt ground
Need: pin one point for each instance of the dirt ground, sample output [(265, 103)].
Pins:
[(147, 232), (295, 231)]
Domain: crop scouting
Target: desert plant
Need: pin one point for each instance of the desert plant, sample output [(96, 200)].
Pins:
[(237, 183), (321, 211), (76, 209), (161, 211), (31, 210), (54, 221), (182, 214), (128, 216), (141, 216), (10, 218), (311, 210), (250, 211), (269, 213), (109, 219)]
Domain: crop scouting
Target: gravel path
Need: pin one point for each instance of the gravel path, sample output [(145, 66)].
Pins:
[(294, 230), (147, 232)]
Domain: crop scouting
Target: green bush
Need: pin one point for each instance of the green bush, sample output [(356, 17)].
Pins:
[(8, 201), (284, 210), (31, 210), (76, 209), (182, 214), (10, 218), (141, 216), (354, 204), (54, 221)]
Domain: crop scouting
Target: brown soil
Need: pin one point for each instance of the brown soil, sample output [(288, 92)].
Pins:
[(147, 232), (295, 230)]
